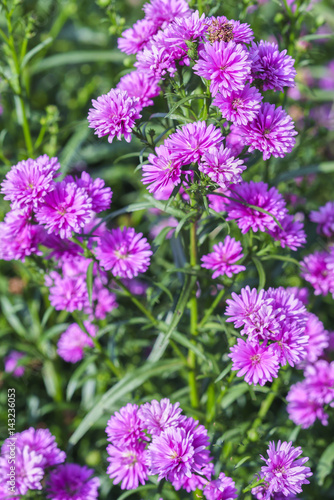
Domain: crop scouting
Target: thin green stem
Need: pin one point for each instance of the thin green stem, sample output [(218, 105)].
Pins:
[(266, 404), (140, 306), (213, 306)]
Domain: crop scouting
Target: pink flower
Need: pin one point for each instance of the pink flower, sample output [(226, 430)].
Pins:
[(72, 482), (222, 259), (141, 86), (127, 465), (240, 106), (65, 210), (136, 38), (292, 234), (73, 341), (161, 171), (221, 166), (192, 140), (225, 30), (226, 65), (163, 12), (258, 363), (125, 253), (11, 365), (303, 408), (114, 114), (314, 269), (41, 441), (272, 132), (325, 219), (222, 488), (99, 195), (124, 428), (159, 416)]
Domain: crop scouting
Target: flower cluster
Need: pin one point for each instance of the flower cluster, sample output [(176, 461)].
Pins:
[(273, 322), (306, 399), (318, 269), (156, 439), (224, 257), (284, 473)]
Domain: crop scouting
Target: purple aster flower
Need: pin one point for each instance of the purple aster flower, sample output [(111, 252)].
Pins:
[(284, 472), (273, 68), (291, 235), (221, 166), (114, 114), (65, 210), (272, 132), (258, 363), (318, 338), (171, 454), (166, 222), (104, 301), (127, 465), (67, 293), (240, 106), (325, 219), (42, 442), (29, 470), (222, 259), (301, 294), (218, 203), (226, 65), (222, 488), (159, 416), (242, 307), (163, 12), (303, 408), (161, 171), (11, 363), (140, 85), (27, 183), (222, 29), (191, 141), (257, 194), (73, 341), (72, 482), (136, 38), (320, 381), (125, 252), (156, 61), (137, 287), (188, 28), (290, 343), (19, 236), (315, 270), (124, 428), (95, 188), (235, 140), (194, 482)]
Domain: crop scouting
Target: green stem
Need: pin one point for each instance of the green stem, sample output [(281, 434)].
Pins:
[(266, 403), (116, 371), (140, 306), (213, 306), (194, 399)]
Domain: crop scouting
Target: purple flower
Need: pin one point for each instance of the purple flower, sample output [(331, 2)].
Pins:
[(222, 29), (65, 210), (222, 488), (161, 171), (194, 482), (73, 341), (156, 61), (159, 416), (114, 114), (163, 12), (124, 428), (303, 408), (104, 301), (291, 235), (99, 195), (222, 259), (301, 294), (136, 38), (127, 465), (171, 454), (315, 270), (258, 363), (272, 132), (218, 203), (240, 106), (318, 338), (325, 219), (27, 183), (257, 194), (19, 238), (242, 307), (273, 68), (189, 28), (125, 252), (320, 381), (72, 482), (226, 65), (140, 85), (42, 442), (284, 472), (11, 365), (221, 166), (188, 144), (29, 471)]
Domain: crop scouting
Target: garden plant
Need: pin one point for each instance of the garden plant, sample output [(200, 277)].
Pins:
[(167, 249)]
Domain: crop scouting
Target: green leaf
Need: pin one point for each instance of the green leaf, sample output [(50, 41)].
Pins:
[(74, 381), (325, 167), (284, 258), (90, 282), (261, 272), (77, 57), (242, 461), (162, 343), (224, 372), (127, 384), (9, 313), (233, 393), (35, 51), (183, 340), (127, 494), (325, 464), (70, 151), (182, 222), (185, 99)]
